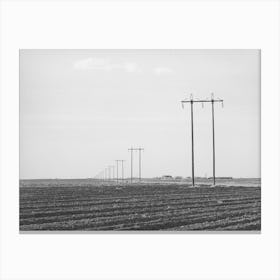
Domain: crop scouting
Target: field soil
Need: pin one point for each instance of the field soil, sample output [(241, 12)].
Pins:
[(59, 206)]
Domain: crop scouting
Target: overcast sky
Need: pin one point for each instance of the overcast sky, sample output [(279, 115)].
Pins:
[(82, 110)]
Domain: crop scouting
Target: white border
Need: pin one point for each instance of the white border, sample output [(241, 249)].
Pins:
[(156, 24)]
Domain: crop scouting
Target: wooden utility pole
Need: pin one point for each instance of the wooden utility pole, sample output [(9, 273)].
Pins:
[(117, 164), (131, 163), (113, 174), (213, 134), (122, 161), (140, 150), (117, 175), (192, 101)]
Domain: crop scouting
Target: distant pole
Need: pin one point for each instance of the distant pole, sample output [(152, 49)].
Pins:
[(140, 150), (139, 165), (117, 175), (131, 175), (117, 164), (131, 163), (122, 170), (113, 174), (131, 159), (109, 173)]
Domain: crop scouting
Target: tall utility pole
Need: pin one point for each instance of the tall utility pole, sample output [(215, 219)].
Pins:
[(192, 101), (213, 132), (140, 150)]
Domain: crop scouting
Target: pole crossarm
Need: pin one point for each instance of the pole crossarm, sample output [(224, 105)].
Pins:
[(202, 101)]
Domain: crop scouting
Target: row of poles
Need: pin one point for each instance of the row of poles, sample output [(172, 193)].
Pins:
[(109, 172), (106, 173)]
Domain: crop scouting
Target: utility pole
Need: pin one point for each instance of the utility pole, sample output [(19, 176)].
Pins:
[(109, 173), (106, 174), (140, 150), (192, 101), (117, 175), (113, 174), (117, 164), (213, 133), (131, 159), (131, 163), (122, 169)]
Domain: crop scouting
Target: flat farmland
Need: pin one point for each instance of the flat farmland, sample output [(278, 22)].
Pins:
[(60, 206)]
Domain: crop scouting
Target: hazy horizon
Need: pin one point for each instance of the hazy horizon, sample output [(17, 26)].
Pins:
[(135, 178), (80, 110)]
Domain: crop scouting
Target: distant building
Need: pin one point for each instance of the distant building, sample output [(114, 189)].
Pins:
[(178, 178), (166, 177), (223, 178)]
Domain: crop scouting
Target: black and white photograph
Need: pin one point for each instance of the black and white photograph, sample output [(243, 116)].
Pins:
[(140, 140)]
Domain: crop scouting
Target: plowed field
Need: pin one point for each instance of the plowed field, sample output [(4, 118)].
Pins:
[(139, 207)]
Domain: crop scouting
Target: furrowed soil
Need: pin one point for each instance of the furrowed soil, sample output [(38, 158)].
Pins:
[(170, 207)]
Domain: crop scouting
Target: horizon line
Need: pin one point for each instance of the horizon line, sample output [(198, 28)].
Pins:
[(143, 178)]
